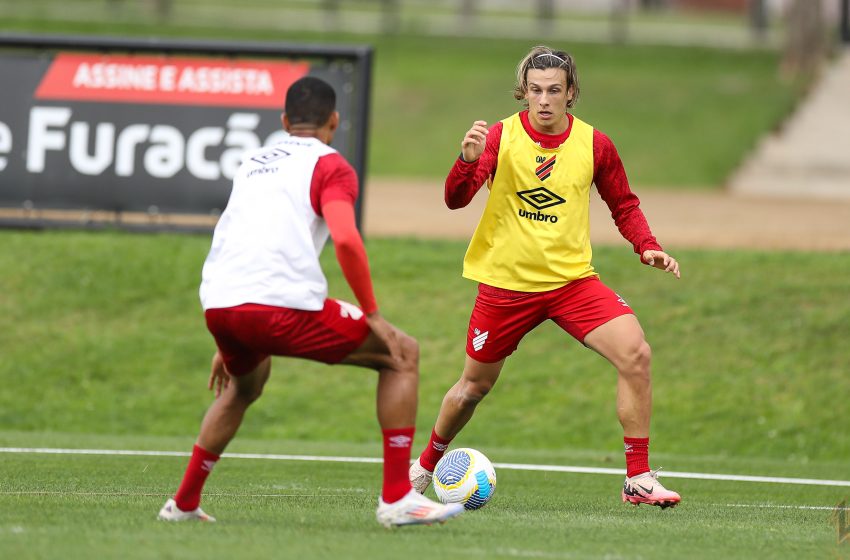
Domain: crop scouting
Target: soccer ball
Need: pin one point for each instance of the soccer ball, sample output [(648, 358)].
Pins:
[(464, 476)]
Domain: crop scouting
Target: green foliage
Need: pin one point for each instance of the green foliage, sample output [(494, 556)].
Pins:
[(103, 333), (680, 117)]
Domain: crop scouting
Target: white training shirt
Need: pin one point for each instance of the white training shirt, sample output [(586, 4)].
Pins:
[(266, 245)]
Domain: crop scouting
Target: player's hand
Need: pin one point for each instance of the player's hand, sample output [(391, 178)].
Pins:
[(387, 333), (474, 142), (661, 260), (219, 378)]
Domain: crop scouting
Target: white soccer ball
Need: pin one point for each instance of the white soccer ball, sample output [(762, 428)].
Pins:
[(464, 476)]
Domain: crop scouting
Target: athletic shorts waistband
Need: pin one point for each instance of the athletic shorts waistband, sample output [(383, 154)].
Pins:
[(494, 291)]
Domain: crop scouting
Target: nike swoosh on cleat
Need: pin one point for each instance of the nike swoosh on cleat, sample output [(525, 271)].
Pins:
[(628, 491), (649, 492)]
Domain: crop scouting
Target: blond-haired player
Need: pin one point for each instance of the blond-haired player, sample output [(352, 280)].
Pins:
[(531, 256)]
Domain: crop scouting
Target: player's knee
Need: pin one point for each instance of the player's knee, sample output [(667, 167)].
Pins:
[(249, 390), (643, 355), (410, 353), (248, 394), (637, 360), (473, 392)]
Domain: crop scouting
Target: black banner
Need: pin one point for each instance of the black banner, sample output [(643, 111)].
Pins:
[(149, 133)]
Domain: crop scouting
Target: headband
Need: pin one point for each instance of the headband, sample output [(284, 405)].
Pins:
[(553, 56)]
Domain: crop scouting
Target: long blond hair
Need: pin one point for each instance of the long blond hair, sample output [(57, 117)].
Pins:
[(540, 58)]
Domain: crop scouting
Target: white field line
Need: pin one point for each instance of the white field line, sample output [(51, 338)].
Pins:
[(337, 495), (509, 466), (780, 506), (206, 494)]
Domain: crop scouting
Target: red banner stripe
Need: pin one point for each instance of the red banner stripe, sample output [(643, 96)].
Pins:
[(167, 80)]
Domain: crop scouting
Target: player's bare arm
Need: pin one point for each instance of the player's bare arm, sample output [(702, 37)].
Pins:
[(474, 142), (662, 261), (388, 334)]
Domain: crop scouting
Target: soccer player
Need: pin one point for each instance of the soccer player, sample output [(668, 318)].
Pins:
[(531, 256), (264, 293)]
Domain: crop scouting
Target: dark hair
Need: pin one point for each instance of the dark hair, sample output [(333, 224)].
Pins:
[(541, 58), (310, 101)]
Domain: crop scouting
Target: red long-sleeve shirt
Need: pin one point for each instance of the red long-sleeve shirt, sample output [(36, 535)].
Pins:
[(609, 176), (333, 191)]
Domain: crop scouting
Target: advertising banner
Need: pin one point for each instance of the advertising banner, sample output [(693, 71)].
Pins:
[(150, 133)]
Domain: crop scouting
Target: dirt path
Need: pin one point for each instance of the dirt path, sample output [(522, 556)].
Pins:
[(678, 219)]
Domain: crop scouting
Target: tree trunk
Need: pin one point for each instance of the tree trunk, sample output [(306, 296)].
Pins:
[(467, 12), (805, 45), (546, 15), (758, 19)]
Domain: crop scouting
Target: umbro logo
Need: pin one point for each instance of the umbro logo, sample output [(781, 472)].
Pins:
[(399, 441), (540, 198), (208, 465), (480, 339), (623, 303), (439, 446)]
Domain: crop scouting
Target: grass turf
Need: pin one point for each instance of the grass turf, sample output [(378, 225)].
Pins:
[(82, 507), (102, 333), (104, 347)]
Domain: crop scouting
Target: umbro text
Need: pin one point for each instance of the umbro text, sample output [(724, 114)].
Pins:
[(537, 216)]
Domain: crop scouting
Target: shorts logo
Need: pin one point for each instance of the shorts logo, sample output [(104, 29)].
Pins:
[(399, 441), (480, 339), (349, 311)]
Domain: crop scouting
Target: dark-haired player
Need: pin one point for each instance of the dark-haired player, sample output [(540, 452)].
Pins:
[(531, 256), (264, 293)]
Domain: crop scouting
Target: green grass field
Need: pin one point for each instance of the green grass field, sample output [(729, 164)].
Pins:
[(680, 117), (102, 333), (82, 507), (104, 347)]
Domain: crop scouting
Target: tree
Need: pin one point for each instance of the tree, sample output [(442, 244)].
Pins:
[(805, 44), (546, 15)]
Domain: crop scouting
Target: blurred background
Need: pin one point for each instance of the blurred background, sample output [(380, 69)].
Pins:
[(684, 87), (738, 23)]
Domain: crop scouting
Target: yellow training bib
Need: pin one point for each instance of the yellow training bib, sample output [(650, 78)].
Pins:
[(534, 234)]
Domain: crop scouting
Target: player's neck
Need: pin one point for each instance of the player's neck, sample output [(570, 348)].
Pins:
[(551, 129), (309, 132)]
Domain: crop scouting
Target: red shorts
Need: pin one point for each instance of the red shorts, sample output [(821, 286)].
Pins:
[(501, 317), (247, 334)]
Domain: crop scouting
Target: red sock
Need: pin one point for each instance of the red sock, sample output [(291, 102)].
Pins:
[(397, 442), (188, 496), (637, 455), (434, 452)]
